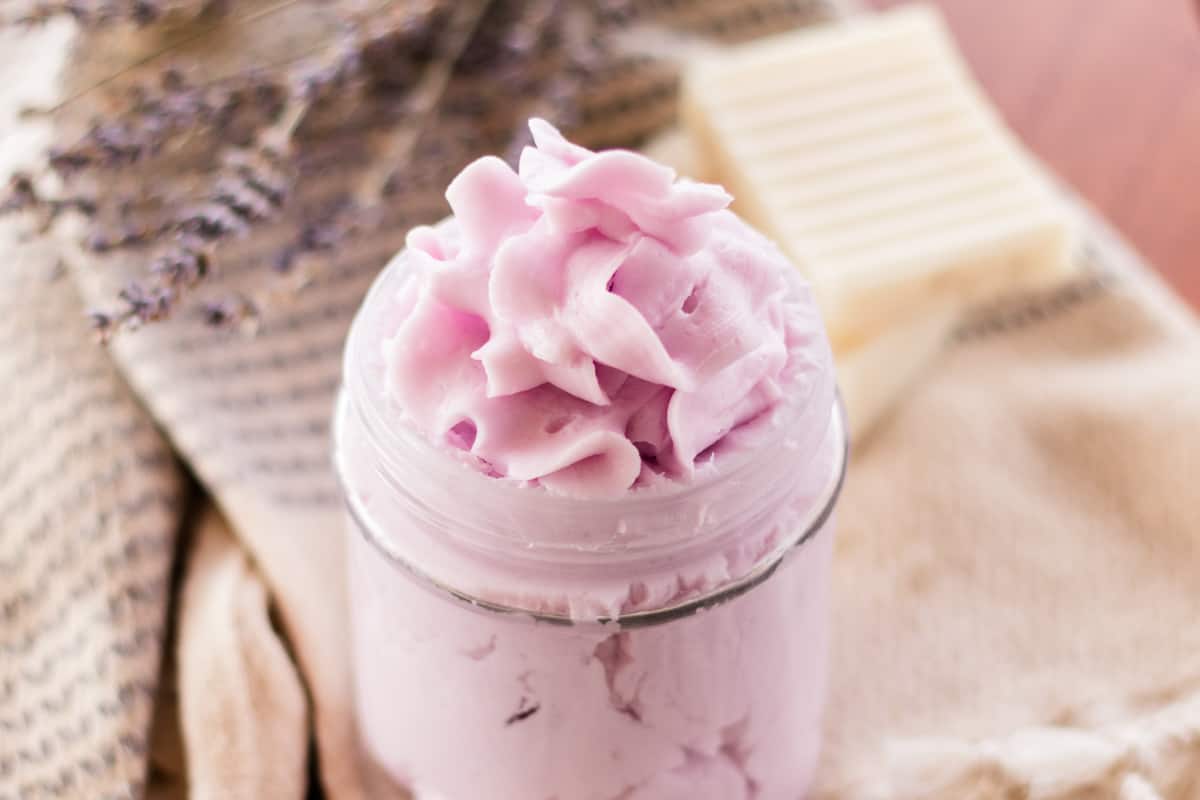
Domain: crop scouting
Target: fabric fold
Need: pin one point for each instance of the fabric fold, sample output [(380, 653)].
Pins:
[(91, 498), (1019, 547), (244, 713)]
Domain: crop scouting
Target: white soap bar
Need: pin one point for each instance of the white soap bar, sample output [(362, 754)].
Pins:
[(869, 153)]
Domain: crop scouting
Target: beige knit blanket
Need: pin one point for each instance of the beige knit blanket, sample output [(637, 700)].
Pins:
[(1017, 563)]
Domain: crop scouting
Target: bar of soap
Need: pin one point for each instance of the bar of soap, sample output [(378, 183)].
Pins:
[(870, 154)]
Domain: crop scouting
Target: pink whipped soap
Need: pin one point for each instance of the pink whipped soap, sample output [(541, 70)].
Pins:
[(592, 324), (590, 447)]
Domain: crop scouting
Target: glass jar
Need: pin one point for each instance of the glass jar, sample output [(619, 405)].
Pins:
[(512, 644)]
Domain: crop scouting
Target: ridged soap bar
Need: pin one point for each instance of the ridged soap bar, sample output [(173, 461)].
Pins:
[(867, 150)]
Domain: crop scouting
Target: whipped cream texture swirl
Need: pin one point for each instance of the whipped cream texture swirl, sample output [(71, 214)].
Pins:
[(593, 324)]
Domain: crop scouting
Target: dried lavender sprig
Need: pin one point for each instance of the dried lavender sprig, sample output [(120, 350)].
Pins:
[(504, 39), (238, 200), (141, 305), (352, 213), (105, 13), (252, 185), (252, 190), (196, 34), (158, 116), (229, 311), (459, 31), (22, 195), (127, 237)]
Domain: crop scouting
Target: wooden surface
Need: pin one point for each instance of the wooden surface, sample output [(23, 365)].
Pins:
[(1107, 92)]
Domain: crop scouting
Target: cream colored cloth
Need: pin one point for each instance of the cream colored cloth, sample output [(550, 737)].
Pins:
[(1015, 572), (238, 687), (230, 689), (90, 498)]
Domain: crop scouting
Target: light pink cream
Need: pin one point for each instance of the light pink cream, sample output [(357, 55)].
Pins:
[(593, 392)]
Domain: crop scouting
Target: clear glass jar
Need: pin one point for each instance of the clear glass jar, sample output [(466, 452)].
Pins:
[(511, 644)]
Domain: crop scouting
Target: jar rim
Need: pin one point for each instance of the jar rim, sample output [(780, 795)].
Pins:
[(815, 522)]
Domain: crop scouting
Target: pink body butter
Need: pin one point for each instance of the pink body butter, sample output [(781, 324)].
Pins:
[(590, 444)]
